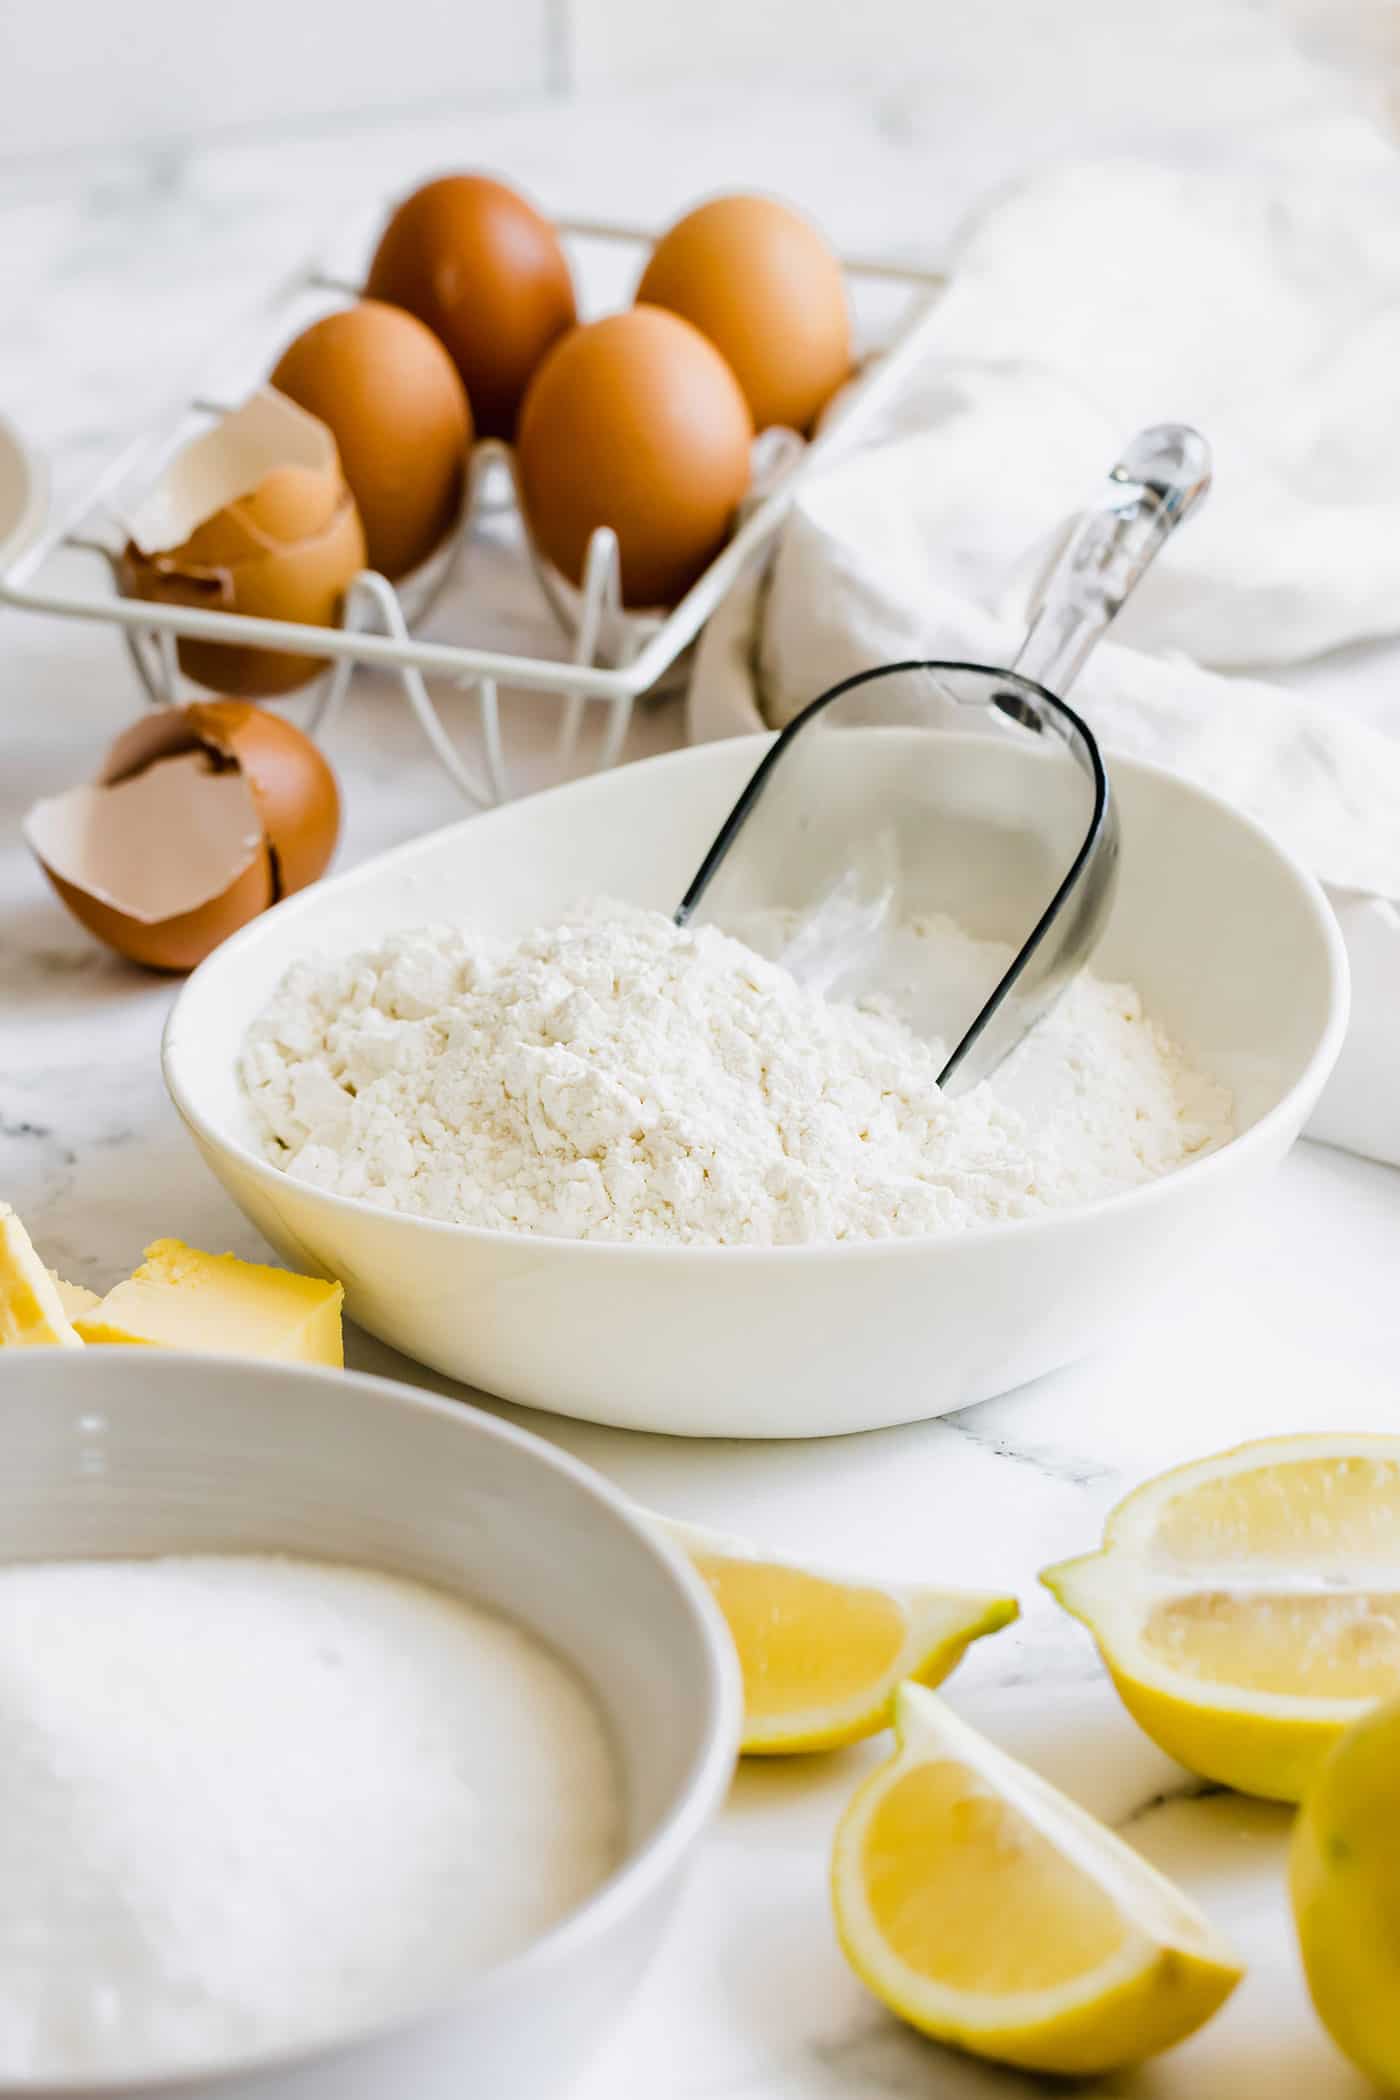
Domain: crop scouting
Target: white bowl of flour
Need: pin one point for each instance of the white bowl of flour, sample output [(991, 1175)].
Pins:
[(595, 1165), (354, 1743)]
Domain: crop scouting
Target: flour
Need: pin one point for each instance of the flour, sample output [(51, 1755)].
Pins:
[(250, 1804), (616, 1077)]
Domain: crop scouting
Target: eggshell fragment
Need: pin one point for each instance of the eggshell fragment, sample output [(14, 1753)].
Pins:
[(386, 388), (160, 866), (760, 281), (254, 517), (635, 422), (161, 842), (225, 463), (290, 782), (486, 272), (201, 818)]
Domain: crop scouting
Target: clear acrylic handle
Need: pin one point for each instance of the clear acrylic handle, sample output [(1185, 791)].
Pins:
[(1162, 476)]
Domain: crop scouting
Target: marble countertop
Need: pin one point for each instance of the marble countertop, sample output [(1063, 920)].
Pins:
[(120, 274)]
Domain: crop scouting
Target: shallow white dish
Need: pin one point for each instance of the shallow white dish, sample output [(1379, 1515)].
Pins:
[(1232, 944), (134, 1452)]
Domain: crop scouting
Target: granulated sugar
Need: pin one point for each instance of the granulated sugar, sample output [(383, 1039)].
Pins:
[(616, 1077), (249, 1803)]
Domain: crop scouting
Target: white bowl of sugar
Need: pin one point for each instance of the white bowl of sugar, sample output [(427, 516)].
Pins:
[(354, 1743), (681, 1254)]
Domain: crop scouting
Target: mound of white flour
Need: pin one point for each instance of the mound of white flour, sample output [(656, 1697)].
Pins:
[(616, 1077)]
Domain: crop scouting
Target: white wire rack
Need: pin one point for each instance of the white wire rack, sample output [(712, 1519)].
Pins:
[(610, 657)]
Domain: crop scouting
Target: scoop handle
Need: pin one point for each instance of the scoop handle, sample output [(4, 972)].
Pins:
[(1163, 474)]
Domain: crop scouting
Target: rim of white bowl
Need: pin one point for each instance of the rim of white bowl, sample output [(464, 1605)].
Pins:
[(702, 1792), (1301, 1096)]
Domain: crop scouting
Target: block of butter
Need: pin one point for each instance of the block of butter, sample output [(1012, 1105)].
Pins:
[(32, 1311), (75, 1298), (182, 1299)]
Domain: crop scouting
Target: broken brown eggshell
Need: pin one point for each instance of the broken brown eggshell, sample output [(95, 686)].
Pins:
[(253, 517), (201, 818)]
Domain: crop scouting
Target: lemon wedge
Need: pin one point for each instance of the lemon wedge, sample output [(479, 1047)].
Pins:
[(821, 1653), (988, 1910), (1344, 1873), (1248, 1606)]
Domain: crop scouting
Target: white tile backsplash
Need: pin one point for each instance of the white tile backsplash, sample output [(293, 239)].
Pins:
[(1005, 56), (1009, 79), (615, 42), (83, 73)]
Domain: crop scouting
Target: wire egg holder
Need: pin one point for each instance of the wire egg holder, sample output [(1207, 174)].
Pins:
[(613, 655)]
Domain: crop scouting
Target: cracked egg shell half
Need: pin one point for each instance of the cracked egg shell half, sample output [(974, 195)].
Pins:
[(253, 517), (201, 818)]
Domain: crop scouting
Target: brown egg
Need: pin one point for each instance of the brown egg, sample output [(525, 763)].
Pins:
[(390, 395), (284, 552), (202, 817), (638, 423), (759, 280), (487, 274)]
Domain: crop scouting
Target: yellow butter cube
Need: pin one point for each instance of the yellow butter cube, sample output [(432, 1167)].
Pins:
[(180, 1298), (75, 1298), (31, 1308)]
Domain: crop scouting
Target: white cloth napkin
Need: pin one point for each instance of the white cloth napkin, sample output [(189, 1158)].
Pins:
[(1264, 309)]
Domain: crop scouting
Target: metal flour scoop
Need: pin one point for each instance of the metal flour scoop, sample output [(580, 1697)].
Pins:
[(929, 788)]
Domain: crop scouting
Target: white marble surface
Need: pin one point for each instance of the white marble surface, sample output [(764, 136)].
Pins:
[(118, 271)]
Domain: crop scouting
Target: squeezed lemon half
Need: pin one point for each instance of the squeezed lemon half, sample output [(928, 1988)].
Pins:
[(988, 1910), (1248, 1606), (821, 1653)]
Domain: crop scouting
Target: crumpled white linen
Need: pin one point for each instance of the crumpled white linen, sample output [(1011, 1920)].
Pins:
[(1264, 308)]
